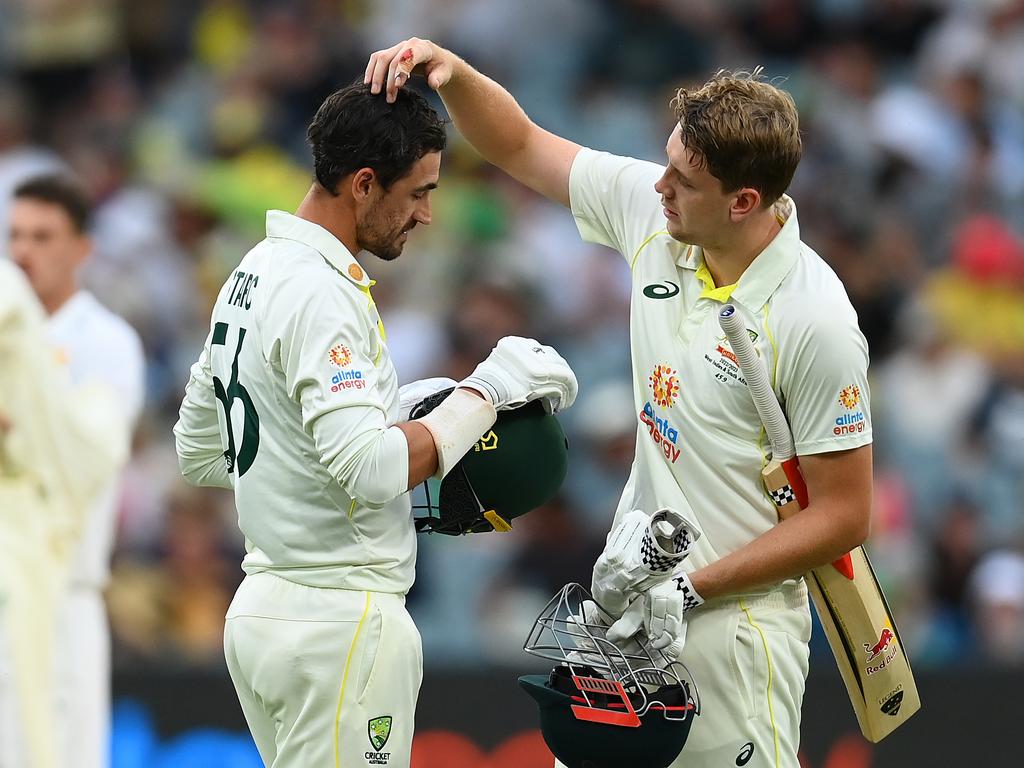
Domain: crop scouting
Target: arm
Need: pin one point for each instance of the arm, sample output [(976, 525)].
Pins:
[(68, 441), (836, 520), (822, 379), (197, 437), (484, 112)]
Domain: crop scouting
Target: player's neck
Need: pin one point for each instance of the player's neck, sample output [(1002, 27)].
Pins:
[(321, 208), (728, 260), (58, 298)]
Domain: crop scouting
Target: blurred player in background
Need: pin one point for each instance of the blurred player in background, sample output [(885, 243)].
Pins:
[(60, 447), (49, 240), (294, 403), (712, 225)]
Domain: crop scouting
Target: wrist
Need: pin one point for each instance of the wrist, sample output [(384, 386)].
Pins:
[(456, 424), (691, 596)]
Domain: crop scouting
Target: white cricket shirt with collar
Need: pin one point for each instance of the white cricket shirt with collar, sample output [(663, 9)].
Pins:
[(700, 444), (318, 468), (98, 347)]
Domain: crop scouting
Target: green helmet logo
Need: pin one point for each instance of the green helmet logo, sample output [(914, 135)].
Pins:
[(516, 467)]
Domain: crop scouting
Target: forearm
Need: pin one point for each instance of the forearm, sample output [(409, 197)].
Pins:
[(486, 115), (812, 538), (422, 452)]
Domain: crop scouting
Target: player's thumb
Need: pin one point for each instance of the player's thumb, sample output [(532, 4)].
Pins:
[(438, 76), (630, 623)]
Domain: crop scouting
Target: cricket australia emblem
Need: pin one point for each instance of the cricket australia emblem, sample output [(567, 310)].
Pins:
[(378, 729)]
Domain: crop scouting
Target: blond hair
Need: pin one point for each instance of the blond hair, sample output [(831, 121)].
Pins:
[(744, 130)]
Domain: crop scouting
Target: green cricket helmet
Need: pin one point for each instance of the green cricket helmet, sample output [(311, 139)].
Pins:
[(606, 705), (516, 467)]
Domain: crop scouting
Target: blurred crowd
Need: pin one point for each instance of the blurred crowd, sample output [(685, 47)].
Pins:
[(186, 120)]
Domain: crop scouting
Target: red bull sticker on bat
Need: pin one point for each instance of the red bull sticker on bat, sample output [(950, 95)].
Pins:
[(885, 648)]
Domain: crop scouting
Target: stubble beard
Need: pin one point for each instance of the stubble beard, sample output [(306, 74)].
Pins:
[(381, 240)]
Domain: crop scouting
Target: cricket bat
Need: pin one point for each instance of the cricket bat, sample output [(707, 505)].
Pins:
[(850, 604)]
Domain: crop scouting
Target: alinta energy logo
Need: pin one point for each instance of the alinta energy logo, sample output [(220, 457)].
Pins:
[(849, 397), (665, 385), (855, 421), (340, 355)]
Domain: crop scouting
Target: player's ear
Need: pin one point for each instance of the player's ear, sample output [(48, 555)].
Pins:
[(745, 201), (362, 183)]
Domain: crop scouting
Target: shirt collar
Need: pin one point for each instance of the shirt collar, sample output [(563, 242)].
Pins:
[(72, 308), (765, 273), (286, 226)]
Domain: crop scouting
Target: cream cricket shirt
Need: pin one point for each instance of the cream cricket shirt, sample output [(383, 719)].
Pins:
[(292, 403), (98, 346), (700, 443)]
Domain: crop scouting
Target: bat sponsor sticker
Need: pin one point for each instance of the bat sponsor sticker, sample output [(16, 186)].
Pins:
[(884, 648)]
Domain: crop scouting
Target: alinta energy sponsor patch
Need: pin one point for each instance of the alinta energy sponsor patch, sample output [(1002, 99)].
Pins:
[(664, 383), (662, 432), (340, 355), (854, 420)]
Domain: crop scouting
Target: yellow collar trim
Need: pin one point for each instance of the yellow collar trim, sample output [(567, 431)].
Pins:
[(711, 291)]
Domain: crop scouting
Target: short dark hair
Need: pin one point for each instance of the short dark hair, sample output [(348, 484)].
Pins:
[(62, 191), (356, 129)]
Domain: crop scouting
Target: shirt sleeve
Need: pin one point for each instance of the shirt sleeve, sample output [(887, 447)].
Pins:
[(328, 349), (823, 379), (68, 441), (613, 200), (198, 440)]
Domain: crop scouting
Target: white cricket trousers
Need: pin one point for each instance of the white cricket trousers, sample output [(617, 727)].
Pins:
[(327, 678), (749, 658), (83, 679)]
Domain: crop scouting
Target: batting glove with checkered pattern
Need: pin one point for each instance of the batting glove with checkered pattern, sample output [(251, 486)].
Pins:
[(642, 550), (661, 612)]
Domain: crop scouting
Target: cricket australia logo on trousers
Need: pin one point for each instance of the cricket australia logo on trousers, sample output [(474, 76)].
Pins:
[(378, 729)]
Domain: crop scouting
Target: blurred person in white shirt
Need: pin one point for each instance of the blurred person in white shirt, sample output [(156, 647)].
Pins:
[(48, 239)]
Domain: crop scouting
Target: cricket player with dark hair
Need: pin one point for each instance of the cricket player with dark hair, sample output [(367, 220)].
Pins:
[(60, 448), (712, 225), (294, 403), (49, 239)]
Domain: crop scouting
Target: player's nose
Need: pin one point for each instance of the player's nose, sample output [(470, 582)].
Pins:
[(423, 214)]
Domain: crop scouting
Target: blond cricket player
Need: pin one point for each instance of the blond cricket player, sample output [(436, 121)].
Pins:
[(711, 225), (59, 448), (294, 403), (49, 241)]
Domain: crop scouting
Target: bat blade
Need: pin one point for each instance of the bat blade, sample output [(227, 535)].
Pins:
[(857, 622), (846, 595), (867, 646)]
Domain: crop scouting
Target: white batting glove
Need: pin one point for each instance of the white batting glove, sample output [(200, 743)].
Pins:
[(666, 606), (642, 550), (661, 612), (415, 392), (520, 370)]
